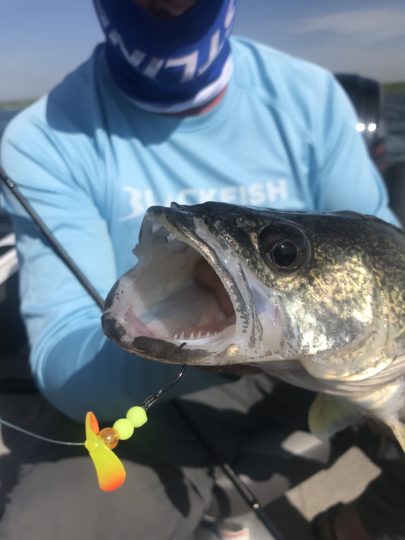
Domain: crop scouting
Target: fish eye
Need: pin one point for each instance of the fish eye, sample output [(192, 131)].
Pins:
[(284, 253), (283, 248)]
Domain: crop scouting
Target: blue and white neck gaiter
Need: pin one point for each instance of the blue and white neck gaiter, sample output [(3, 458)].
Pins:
[(173, 64)]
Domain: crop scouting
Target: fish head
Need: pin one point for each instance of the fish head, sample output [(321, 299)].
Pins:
[(301, 286)]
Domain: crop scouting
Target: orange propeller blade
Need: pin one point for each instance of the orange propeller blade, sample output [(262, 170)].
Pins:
[(110, 471)]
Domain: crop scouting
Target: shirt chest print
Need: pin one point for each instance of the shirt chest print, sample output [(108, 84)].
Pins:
[(136, 201)]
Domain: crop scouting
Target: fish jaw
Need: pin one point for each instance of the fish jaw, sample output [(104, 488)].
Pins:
[(156, 310)]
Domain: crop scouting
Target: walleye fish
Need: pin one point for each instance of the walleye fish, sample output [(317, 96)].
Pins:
[(317, 300)]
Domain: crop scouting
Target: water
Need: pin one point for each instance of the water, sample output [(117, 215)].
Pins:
[(394, 113)]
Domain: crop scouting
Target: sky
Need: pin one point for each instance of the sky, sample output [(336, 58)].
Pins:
[(42, 40)]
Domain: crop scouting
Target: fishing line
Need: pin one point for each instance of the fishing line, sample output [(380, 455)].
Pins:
[(147, 403), (37, 436)]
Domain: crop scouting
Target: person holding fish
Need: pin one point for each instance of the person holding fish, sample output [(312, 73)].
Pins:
[(169, 107)]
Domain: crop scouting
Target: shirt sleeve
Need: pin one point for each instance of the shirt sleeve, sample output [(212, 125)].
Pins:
[(346, 177), (76, 368)]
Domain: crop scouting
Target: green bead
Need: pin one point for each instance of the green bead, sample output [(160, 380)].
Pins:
[(137, 415), (124, 428)]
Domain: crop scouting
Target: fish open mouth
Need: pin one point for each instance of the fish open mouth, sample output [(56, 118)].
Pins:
[(180, 302)]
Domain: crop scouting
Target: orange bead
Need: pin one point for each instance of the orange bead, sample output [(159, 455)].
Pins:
[(110, 437)]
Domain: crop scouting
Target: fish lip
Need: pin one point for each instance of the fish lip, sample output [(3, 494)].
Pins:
[(180, 221), (150, 347), (168, 352)]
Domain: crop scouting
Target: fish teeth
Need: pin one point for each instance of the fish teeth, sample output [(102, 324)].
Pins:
[(156, 227), (170, 237), (176, 246), (195, 335)]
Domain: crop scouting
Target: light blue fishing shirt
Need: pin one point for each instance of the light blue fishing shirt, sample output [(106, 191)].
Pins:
[(90, 162)]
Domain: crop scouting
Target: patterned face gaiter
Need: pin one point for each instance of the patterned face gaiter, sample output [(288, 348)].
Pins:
[(171, 64)]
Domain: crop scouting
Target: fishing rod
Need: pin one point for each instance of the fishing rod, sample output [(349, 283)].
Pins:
[(50, 237), (244, 491)]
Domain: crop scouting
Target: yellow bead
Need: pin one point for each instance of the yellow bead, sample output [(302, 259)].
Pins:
[(137, 415), (124, 428)]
